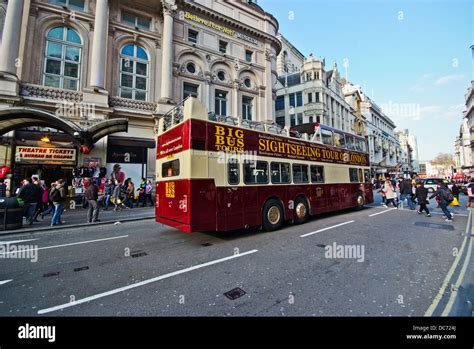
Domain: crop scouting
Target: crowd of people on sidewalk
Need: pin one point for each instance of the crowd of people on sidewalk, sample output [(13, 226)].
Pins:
[(39, 200), (415, 193)]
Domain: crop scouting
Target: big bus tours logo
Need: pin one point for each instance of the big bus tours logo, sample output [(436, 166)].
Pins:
[(230, 140)]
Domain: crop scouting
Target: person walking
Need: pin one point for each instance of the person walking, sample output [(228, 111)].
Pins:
[(129, 194), (118, 196), (108, 192), (142, 193), (406, 191), (3, 188), (118, 174), (30, 193), (58, 197), (47, 203), (455, 190), (390, 193), (445, 198), (421, 194), (92, 196), (149, 189)]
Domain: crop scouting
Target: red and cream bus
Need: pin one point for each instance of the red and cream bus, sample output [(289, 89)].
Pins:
[(223, 173)]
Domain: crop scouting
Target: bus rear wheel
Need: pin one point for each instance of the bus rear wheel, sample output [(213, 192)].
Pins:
[(301, 213), (360, 202), (272, 215)]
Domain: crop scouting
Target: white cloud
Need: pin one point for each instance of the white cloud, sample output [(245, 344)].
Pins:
[(447, 79)]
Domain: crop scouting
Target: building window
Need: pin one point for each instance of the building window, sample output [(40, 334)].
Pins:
[(300, 118), (71, 4), (134, 72), (310, 98), (248, 56), (292, 100), (221, 103), (317, 75), (221, 75), (292, 121), (317, 97), (193, 36), (280, 120), (247, 103), (136, 21), (223, 46), (310, 120), (62, 58), (190, 90), (191, 68), (248, 83), (299, 99), (280, 103)]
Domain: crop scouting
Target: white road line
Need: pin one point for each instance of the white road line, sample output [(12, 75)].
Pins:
[(376, 214), (15, 241), (4, 282), (451, 271), (324, 229), (141, 283), (65, 245)]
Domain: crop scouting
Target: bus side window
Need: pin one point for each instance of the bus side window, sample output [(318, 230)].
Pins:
[(255, 172), (353, 175), (300, 173), (361, 178), (350, 144), (339, 140), (367, 176), (317, 174), (327, 137), (280, 173), (233, 176)]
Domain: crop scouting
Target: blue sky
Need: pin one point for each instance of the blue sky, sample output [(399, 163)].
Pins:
[(405, 53)]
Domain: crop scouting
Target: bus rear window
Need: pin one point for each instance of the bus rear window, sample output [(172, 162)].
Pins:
[(256, 172), (170, 169)]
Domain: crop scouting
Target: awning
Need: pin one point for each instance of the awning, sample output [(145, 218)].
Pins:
[(21, 117)]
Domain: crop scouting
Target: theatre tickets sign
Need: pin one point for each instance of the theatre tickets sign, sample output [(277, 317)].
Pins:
[(26, 154)]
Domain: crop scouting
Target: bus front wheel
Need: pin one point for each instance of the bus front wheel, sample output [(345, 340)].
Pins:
[(272, 215), (360, 202), (301, 213)]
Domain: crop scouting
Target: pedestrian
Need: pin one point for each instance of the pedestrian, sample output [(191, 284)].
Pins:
[(108, 192), (384, 198), (39, 208), (390, 193), (58, 197), (455, 190), (92, 196), (3, 188), (118, 196), (117, 174), (30, 193), (149, 189), (142, 192), (445, 198), (47, 203), (470, 193), (129, 194), (406, 192), (421, 194)]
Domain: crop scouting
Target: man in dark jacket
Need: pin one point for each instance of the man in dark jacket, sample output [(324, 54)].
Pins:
[(421, 195), (443, 192), (92, 195), (406, 191), (30, 193)]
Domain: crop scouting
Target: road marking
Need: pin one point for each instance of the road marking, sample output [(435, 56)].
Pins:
[(65, 245), (142, 283), (324, 229), (451, 271), (376, 214), (4, 282), (15, 241)]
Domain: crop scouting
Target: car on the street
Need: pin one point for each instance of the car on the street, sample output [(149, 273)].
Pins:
[(432, 183)]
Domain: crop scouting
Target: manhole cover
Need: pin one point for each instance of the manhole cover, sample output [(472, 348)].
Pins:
[(235, 293), (434, 226)]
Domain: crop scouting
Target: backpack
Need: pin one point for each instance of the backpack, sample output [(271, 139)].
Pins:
[(448, 195)]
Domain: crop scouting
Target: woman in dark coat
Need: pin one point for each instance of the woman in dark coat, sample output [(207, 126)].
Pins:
[(421, 194)]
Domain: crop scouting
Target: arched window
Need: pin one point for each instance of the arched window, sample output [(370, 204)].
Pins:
[(134, 72), (62, 61)]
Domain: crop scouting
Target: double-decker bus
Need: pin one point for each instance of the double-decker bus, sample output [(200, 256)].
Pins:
[(223, 173)]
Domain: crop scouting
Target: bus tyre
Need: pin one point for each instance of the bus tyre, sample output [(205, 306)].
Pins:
[(272, 215), (301, 212), (360, 202)]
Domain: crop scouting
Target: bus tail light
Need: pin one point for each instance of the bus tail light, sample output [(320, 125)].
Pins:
[(183, 204), (157, 201)]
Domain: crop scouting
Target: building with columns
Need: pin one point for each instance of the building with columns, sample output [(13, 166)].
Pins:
[(94, 63), (290, 58)]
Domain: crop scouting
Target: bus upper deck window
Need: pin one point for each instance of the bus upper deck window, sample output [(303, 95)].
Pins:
[(326, 136), (350, 143), (170, 169), (339, 140)]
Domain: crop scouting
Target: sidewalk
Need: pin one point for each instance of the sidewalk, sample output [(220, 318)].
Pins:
[(78, 218)]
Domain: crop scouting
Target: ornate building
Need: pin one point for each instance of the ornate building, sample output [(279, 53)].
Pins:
[(88, 62)]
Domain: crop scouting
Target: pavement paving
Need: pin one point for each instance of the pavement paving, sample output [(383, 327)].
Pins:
[(385, 263)]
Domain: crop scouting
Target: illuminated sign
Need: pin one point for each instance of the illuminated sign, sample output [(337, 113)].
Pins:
[(45, 155), (217, 27)]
